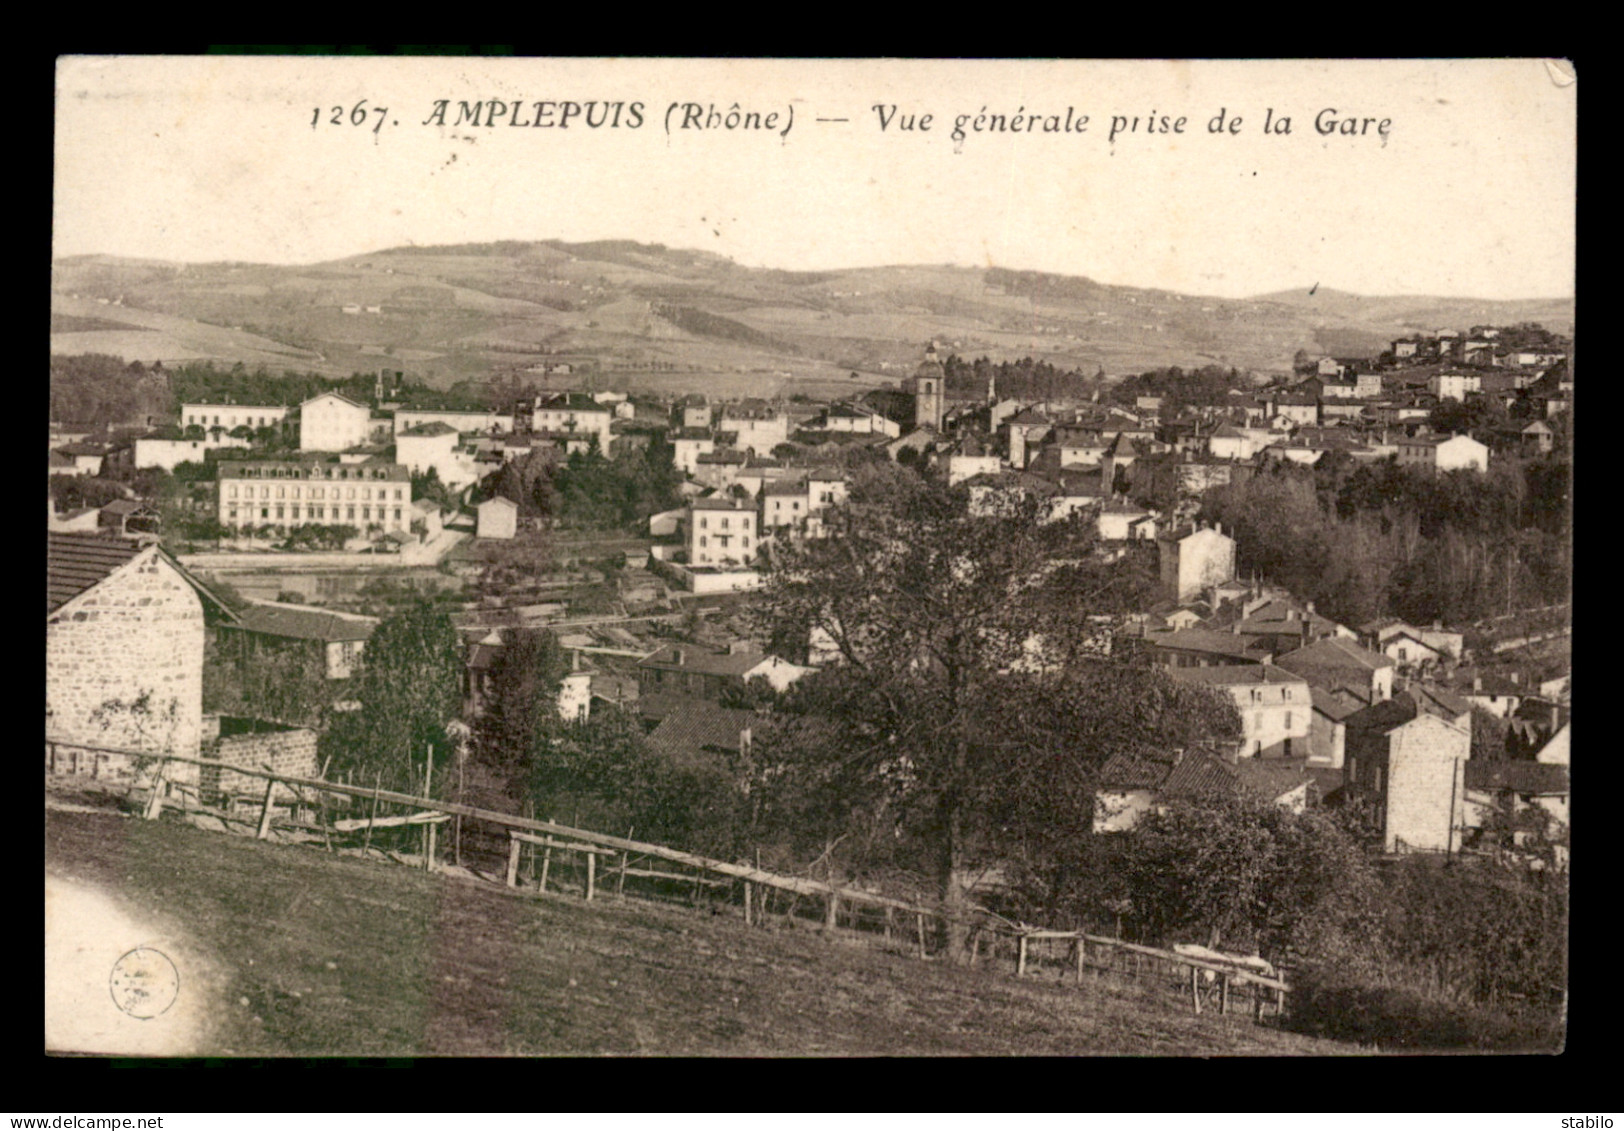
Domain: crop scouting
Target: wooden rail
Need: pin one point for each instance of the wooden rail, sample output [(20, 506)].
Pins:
[(551, 836)]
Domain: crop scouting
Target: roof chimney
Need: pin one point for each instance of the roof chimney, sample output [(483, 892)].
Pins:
[(678, 654), (1516, 677), (1477, 683)]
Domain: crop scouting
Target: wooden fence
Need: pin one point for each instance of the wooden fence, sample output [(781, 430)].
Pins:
[(763, 894)]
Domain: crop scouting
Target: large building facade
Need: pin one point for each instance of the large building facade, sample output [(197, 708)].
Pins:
[(370, 496)]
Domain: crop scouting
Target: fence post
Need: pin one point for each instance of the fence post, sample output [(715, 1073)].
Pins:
[(1020, 957), (831, 916), (747, 903), (1223, 993), (620, 881), (514, 846), (155, 803), (429, 837), (546, 865), (919, 922), (591, 870), (1195, 990), (265, 811), (1082, 952)]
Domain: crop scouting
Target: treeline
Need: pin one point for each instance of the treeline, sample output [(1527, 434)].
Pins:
[(589, 490), (1178, 387), (1372, 540), (1026, 379), (102, 391)]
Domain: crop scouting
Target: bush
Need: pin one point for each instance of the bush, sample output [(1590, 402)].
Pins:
[(1400, 1017)]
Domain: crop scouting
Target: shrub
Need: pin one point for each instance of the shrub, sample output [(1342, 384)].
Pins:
[(1400, 1017)]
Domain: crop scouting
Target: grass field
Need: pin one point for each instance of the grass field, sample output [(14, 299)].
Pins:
[(287, 950)]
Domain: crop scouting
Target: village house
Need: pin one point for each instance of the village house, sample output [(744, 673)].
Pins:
[(1274, 705), (705, 673), (369, 495), (1336, 664), (1523, 799), (1192, 559), (124, 518), (332, 422), (1199, 648), (125, 631), (688, 445), (170, 454), (434, 446), (332, 641), (1409, 778), (458, 420), (1442, 453), (698, 733), (232, 416), (571, 413), (722, 532), (1133, 786), (498, 518), (785, 503), (758, 430)]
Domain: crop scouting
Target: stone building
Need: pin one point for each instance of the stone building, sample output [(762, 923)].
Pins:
[(124, 644), (1410, 776), (1191, 561)]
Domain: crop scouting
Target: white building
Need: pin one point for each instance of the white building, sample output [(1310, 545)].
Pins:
[(229, 416), (332, 422), (1453, 386), (435, 445), (1440, 453), (722, 532), (295, 493), (574, 412), (759, 431), (457, 420), (498, 518), (170, 454), (1274, 705)]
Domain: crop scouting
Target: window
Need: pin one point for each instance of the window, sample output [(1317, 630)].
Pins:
[(1288, 720), (279, 512), (724, 523), (397, 514), (264, 512), (702, 541), (351, 512), (231, 491), (281, 492), (702, 524)]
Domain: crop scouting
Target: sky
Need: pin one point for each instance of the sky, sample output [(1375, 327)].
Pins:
[(1468, 190)]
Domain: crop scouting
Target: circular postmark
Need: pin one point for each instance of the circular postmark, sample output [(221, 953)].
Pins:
[(144, 983)]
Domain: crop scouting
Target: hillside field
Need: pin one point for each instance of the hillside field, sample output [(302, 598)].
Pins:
[(290, 951)]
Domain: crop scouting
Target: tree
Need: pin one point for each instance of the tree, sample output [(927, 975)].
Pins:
[(1237, 871), (934, 613), (523, 700), (409, 688)]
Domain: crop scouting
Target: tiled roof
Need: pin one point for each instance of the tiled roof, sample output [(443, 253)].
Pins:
[(1335, 652), (693, 730), (432, 428), (1202, 640), (303, 623), (1234, 674), (1329, 705), (705, 661), (785, 487), (1269, 778), (75, 562)]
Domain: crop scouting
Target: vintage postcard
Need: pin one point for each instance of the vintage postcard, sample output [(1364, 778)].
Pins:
[(780, 557)]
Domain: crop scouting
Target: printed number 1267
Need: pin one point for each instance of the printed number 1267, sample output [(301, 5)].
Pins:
[(356, 115)]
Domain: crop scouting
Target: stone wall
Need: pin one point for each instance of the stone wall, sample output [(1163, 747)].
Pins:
[(290, 751), (138, 633)]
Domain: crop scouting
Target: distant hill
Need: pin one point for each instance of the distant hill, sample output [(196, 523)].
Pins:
[(642, 314)]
